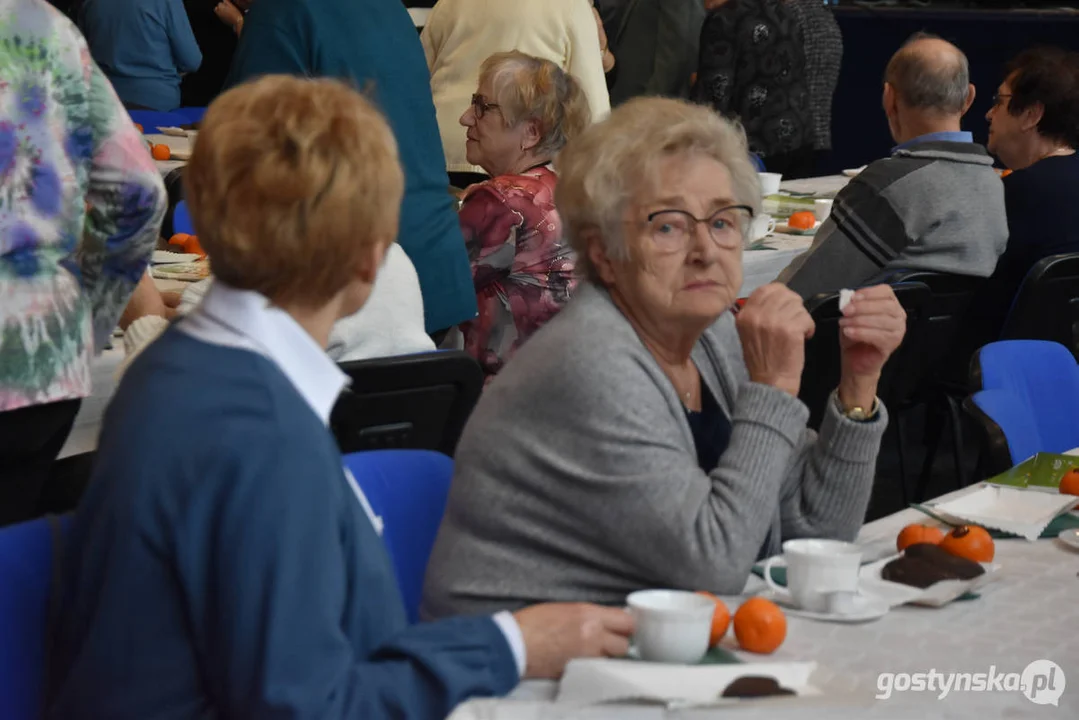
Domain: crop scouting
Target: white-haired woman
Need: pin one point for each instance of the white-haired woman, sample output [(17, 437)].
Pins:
[(648, 437), (523, 113), (461, 34)]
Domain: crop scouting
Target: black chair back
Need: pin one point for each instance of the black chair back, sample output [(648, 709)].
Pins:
[(1047, 304), (417, 401), (927, 355), (822, 363)]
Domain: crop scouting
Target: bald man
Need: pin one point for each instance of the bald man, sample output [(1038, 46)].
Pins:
[(934, 204)]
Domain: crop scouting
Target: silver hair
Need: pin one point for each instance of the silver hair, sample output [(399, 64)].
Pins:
[(614, 162)]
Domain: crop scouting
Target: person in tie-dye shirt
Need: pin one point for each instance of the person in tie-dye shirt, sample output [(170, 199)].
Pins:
[(523, 113), (81, 204)]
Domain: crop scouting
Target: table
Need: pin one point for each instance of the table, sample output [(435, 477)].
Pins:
[(760, 267), (103, 381), (1029, 613)]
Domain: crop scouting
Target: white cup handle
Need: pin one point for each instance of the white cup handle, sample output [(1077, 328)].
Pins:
[(771, 226), (778, 590)]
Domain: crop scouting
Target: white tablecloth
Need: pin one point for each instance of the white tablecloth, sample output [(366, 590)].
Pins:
[(1030, 612), (760, 267)]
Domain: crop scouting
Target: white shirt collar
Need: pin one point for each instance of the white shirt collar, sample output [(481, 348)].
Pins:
[(246, 320)]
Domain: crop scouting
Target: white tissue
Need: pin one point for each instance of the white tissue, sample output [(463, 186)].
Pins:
[(845, 296)]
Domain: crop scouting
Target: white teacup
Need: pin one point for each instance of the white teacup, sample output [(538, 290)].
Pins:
[(759, 228), (770, 183), (822, 575), (822, 208), (673, 626)]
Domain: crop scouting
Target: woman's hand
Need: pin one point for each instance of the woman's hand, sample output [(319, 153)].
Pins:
[(774, 326), (229, 14), (146, 300), (872, 327)]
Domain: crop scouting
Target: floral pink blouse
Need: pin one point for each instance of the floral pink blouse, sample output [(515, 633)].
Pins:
[(522, 269)]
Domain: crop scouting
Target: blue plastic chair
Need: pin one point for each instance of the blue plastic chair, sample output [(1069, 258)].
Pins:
[(151, 120), (191, 115), (181, 219), (408, 490), (1026, 404), (26, 572)]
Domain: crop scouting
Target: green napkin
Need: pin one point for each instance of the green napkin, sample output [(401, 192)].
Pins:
[(1067, 521), (1043, 470)]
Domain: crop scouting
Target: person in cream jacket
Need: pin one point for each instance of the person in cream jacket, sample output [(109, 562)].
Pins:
[(461, 34)]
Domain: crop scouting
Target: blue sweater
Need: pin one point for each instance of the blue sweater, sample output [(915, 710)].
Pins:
[(142, 46), (374, 43), (221, 566)]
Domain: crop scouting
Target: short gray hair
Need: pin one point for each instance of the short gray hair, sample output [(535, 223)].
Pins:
[(611, 163), (930, 81)]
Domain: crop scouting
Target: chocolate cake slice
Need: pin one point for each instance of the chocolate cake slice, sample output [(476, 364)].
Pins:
[(752, 686), (924, 564)]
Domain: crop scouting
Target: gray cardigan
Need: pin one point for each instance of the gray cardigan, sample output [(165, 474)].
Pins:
[(577, 478)]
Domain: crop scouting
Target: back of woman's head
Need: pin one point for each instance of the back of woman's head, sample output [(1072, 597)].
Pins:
[(531, 88), (291, 182)]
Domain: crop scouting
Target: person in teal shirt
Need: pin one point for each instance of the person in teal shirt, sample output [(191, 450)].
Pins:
[(143, 47), (374, 44)]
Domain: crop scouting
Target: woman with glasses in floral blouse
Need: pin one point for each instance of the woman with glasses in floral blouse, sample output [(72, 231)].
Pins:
[(525, 110), (81, 203)]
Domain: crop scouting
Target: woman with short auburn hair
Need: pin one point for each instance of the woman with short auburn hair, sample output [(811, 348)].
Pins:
[(646, 437), (523, 113)]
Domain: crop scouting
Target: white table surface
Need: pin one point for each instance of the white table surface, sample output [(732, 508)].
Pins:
[(1030, 612), (760, 267)]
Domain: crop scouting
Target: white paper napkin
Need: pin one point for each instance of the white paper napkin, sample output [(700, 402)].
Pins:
[(1015, 511), (593, 681), (938, 594)]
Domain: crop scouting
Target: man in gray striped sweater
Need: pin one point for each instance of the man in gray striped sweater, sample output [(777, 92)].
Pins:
[(935, 204)]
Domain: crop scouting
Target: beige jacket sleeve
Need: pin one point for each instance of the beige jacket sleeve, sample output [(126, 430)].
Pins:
[(585, 61)]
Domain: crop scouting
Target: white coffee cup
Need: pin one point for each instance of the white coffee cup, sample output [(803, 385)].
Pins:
[(759, 228), (770, 183), (673, 626), (822, 575), (822, 208)]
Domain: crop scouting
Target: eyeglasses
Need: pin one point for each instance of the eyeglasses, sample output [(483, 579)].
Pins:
[(998, 97), (480, 106), (671, 229)]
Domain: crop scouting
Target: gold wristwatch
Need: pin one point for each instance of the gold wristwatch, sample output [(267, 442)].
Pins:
[(858, 413)]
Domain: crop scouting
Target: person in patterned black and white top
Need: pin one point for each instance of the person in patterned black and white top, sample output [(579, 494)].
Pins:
[(752, 68)]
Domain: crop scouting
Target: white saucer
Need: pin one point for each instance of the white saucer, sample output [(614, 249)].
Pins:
[(866, 608), (1070, 538)]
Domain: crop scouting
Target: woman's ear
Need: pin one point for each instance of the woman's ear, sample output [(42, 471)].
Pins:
[(597, 254), (1029, 118), (531, 136)]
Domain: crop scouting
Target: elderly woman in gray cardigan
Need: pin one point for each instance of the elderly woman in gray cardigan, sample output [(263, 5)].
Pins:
[(647, 436)]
